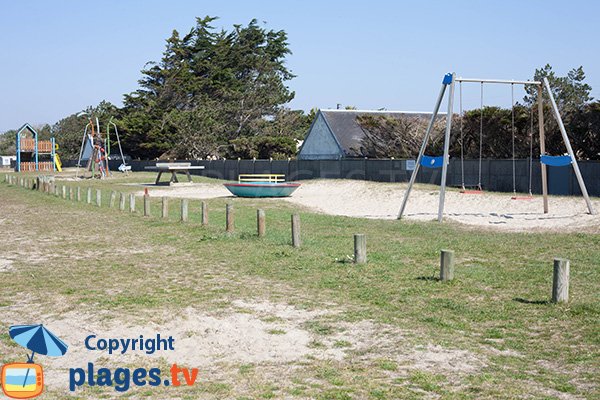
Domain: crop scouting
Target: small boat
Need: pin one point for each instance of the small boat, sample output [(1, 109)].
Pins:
[(259, 185)]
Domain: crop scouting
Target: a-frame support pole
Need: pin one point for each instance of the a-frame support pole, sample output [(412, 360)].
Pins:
[(447, 80), (446, 151), (81, 151), (569, 148), (544, 169)]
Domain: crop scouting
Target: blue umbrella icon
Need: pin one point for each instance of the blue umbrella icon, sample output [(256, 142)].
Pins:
[(38, 339)]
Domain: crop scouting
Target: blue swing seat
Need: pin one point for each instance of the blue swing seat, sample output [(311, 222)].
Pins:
[(432, 162), (556, 161)]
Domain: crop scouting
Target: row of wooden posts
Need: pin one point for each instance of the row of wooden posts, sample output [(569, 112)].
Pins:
[(560, 281), (46, 185)]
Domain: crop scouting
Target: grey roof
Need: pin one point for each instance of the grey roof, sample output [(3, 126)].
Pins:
[(349, 133)]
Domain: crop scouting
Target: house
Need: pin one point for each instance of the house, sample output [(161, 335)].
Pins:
[(336, 134)]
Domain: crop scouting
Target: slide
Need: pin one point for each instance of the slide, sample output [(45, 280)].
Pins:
[(57, 162)]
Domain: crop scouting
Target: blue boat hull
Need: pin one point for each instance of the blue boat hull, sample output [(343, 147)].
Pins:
[(262, 189)]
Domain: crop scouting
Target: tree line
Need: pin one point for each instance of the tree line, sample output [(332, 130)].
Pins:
[(489, 131), (214, 93)]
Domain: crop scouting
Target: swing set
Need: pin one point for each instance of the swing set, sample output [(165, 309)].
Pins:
[(478, 188), (97, 149), (428, 161)]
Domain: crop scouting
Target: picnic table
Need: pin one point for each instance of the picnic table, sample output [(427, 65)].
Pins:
[(173, 168)]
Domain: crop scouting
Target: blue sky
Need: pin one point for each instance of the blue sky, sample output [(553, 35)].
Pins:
[(60, 56)]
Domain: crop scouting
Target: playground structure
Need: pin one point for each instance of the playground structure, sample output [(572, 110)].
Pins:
[(34, 154), (96, 149), (545, 159)]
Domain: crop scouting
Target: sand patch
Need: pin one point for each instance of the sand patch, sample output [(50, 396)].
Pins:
[(496, 211), (5, 265), (435, 358), (270, 334)]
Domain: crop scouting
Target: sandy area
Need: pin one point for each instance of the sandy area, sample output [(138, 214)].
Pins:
[(382, 200), (250, 332)]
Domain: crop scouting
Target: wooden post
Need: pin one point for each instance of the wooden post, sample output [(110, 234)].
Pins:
[(78, 194), (184, 210), (360, 248), (113, 197), (229, 219), (260, 222), (146, 205), (446, 265), (296, 230), (98, 197), (71, 193), (164, 213), (121, 201), (132, 203), (89, 195), (560, 281), (542, 146), (51, 188), (64, 192), (204, 213)]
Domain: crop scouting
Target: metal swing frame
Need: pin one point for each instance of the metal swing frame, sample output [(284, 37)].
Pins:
[(448, 84)]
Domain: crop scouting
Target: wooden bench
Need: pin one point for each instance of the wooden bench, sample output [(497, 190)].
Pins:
[(173, 168), (270, 178)]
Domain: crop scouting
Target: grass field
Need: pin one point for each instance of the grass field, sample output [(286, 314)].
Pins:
[(385, 330)]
